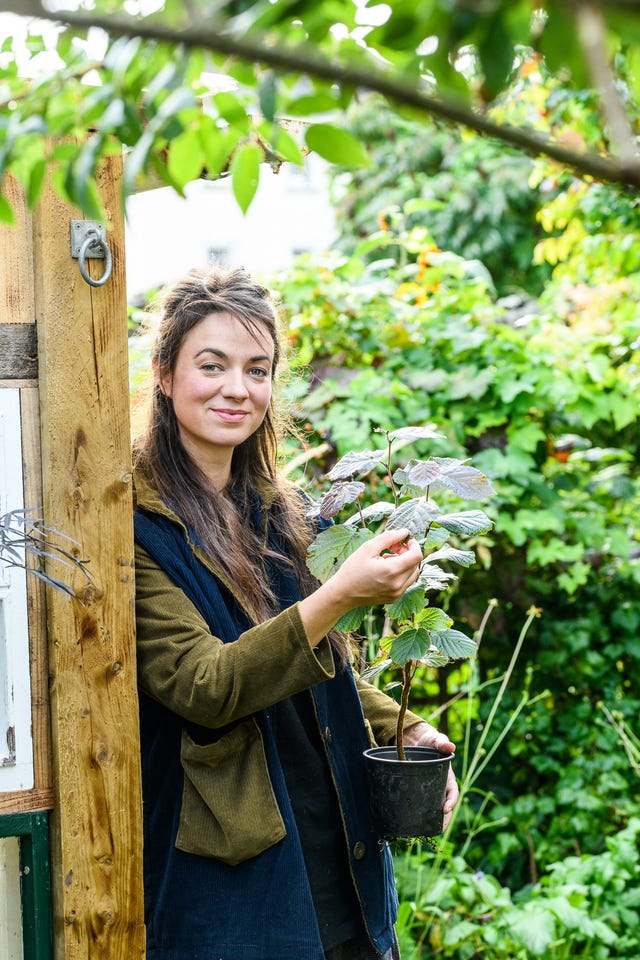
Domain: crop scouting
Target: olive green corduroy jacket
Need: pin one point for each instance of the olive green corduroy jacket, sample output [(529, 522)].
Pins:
[(211, 683)]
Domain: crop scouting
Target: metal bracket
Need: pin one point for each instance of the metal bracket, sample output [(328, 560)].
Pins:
[(88, 242), (80, 230)]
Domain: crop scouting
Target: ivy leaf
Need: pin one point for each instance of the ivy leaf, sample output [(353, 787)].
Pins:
[(411, 644), (332, 547), (336, 145), (245, 174), (453, 644), (356, 463), (467, 523), (466, 481), (338, 496)]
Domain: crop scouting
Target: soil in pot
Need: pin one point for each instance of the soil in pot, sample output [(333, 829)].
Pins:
[(407, 795)]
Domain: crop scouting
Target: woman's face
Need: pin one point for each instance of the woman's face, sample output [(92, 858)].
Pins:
[(220, 388)]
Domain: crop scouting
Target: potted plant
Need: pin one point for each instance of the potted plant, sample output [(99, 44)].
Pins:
[(407, 783)]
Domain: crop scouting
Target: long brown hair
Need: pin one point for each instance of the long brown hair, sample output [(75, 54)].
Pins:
[(219, 518)]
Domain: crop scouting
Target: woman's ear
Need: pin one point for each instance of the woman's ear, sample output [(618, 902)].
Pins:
[(162, 379)]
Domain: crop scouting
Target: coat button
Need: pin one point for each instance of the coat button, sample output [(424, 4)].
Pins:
[(359, 850), (328, 735)]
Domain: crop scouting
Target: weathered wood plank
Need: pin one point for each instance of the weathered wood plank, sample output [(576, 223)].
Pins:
[(97, 835), (16, 259), (26, 801), (18, 351)]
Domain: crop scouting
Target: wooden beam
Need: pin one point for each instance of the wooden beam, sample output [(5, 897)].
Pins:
[(97, 832), (18, 351)]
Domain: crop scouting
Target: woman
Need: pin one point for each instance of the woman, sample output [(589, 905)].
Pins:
[(258, 844)]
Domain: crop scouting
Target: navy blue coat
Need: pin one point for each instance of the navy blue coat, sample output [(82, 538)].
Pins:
[(199, 907)]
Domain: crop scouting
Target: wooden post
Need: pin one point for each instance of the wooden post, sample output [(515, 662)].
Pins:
[(84, 407)]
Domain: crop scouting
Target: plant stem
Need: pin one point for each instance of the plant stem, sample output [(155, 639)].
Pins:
[(407, 677), (388, 465)]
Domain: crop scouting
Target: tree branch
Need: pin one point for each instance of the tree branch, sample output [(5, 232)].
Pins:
[(593, 39), (209, 36)]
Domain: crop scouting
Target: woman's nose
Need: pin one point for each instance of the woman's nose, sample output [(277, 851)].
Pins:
[(234, 384)]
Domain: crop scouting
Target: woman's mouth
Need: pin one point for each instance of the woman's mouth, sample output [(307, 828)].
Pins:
[(231, 416)]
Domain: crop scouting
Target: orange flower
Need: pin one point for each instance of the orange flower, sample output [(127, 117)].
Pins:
[(424, 257), (411, 291)]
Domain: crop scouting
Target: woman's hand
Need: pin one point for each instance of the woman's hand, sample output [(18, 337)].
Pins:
[(379, 571), (424, 735)]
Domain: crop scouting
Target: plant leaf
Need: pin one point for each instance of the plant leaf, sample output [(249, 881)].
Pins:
[(332, 547), (338, 496), (245, 173), (336, 145), (356, 463), (411, 602), (433, 577), (462, 557), (466, 481), (467, 523), (408, 434), (374, 669), (453, 644), (373, 511), (422, 473), (414, 514), (433, 618), (411, 644), (352, 620)]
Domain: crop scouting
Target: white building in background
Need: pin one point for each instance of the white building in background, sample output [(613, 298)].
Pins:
[(167, 235)]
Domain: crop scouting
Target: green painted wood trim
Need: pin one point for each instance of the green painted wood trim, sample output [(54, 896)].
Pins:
[(32, 831)]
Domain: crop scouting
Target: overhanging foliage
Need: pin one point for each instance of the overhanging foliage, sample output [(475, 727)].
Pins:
[(144, 87)]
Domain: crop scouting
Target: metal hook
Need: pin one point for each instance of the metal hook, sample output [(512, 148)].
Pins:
[(88, 242)]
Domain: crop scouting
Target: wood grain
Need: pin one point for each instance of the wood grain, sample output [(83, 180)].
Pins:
[(97, 833)]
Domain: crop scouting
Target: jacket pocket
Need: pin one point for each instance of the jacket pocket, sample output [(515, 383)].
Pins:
[(229, 810)]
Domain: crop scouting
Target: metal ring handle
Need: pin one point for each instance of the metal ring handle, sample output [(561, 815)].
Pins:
[(92, 239)]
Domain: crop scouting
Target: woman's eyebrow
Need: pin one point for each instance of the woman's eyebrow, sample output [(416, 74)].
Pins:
[(224, 356)]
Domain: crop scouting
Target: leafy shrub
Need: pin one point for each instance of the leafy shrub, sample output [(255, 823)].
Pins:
[(585, 906)]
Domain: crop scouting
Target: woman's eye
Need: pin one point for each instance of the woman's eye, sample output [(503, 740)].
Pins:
[(259, 372), (210, 367)]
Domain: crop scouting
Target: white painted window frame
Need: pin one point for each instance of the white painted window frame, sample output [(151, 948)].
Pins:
[(16, 749)]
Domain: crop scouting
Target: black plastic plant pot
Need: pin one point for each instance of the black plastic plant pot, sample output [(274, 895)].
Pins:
[(407, 795)]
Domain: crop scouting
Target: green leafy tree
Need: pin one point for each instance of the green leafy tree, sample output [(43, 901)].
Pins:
[(471, 193), (139, 84)]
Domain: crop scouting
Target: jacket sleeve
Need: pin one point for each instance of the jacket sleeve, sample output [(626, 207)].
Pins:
[(381, 711), (193, 673)]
